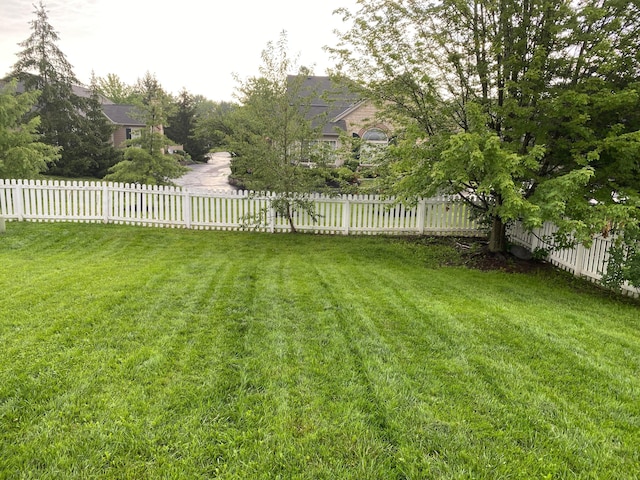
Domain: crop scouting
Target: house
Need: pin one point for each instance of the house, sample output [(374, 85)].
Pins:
[(341, 112), (121, 116), (124, 120)]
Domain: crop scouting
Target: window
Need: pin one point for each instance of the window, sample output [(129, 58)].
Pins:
[(318, 151), (132, 133), (374, 142), (375, 135)]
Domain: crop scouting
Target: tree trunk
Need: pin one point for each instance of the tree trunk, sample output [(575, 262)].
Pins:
[(498, 236), (290, 218)]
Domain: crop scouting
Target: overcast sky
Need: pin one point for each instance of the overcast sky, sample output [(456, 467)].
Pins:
[(195, 44)]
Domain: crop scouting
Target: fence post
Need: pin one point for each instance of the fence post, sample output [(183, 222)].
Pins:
[(106, 203), (346, 214), (579, 266), (272, 212), (18, 201), (422, 213), (186, 208)]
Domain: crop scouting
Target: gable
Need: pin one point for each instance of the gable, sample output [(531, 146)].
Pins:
[(325, 101)]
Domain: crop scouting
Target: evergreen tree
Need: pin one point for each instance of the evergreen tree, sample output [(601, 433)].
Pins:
[(97, 146), (22, 155), (181, 126), (68, 121)]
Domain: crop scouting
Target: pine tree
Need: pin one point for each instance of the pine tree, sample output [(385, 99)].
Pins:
[(66, 119), (182, 125), (22, 155)]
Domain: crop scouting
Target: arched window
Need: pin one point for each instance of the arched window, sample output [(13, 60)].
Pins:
[(374, 143), (375, 135)]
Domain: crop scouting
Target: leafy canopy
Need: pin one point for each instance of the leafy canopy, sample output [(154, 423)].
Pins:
[(555, 81), (271, 135)]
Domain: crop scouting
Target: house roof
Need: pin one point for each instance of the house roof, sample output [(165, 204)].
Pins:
[(122, 115), (117, 114), (81, 91), (329, 101)]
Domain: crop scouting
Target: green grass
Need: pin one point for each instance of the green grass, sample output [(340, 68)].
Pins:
[(151, 353)]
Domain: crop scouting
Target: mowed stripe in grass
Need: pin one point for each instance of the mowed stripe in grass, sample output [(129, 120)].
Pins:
[(143, 353)]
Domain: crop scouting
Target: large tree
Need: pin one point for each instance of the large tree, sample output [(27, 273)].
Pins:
[(182, 125), (146, 160), (528, 109), (67, 119), (270, 134), (22, 155)]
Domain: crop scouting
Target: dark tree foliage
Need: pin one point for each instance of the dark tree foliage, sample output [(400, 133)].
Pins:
[(213, 123), (67, 120), (182, 124), (22, 155)]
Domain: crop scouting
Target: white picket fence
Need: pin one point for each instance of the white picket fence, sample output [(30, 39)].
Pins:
[(36, 200), (590, 263), (51, 201)]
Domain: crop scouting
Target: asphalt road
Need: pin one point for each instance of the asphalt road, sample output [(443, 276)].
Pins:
[(212, 175)]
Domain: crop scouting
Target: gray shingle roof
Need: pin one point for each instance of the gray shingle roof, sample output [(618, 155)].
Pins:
[(122, 115), (86, 92), (327, 101)]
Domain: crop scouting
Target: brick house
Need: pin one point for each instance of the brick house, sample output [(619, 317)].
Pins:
[(342, 112)]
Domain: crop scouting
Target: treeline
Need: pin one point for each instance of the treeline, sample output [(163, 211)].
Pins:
[(51, 124)]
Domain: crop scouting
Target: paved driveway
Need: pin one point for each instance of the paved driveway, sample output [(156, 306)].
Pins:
[(212, 175)]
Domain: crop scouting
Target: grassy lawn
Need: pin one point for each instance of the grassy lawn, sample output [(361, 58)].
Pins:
[(149, 353)]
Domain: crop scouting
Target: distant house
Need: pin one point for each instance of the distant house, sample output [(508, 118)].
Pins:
[(342, 112), (124, 119), (121, 116)]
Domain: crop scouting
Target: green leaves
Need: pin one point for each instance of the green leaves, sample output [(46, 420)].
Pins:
[(22, 155), (478, 163), (140, 166), (528, 109), (271, 136)]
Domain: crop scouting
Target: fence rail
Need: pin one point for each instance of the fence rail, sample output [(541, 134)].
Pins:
[(50, 201), (36, 200)]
